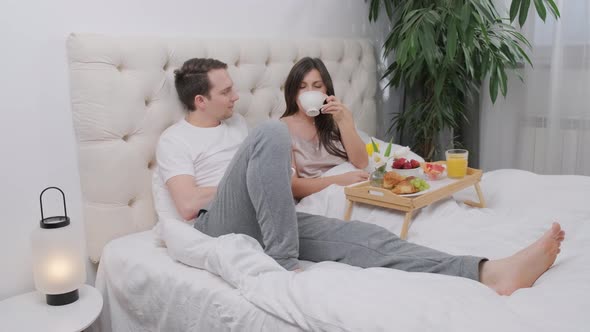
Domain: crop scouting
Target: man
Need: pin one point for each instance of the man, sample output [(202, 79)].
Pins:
[(211, 171)]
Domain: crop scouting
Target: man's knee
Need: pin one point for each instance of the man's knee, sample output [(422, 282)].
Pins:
[(274, 132)]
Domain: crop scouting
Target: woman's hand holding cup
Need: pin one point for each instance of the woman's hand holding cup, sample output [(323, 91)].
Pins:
[(338, 110)]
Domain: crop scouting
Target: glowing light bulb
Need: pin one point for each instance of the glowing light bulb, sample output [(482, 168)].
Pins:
[(59, 268)]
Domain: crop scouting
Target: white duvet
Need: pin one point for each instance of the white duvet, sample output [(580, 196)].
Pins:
[(336, 297)]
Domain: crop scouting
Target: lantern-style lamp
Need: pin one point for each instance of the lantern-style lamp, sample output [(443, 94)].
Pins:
[(58, 262)]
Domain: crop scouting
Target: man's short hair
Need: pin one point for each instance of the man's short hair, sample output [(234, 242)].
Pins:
[(192, 80)]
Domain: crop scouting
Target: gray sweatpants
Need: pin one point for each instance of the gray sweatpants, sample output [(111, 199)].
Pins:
[(255, 198)]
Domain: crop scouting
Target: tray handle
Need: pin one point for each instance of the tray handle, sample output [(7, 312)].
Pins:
[(379, 192)]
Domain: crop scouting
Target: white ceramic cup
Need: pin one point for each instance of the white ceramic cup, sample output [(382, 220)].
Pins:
[(312, 101)]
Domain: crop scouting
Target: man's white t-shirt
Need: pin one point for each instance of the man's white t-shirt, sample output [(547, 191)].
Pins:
[(204, 153)]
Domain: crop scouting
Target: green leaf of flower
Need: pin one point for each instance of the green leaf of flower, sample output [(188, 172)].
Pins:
[(388, 150), (375, 147)]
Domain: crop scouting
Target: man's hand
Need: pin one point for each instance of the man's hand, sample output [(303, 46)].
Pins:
[(187, 197)]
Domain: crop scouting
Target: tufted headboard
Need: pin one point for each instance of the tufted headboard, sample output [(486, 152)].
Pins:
[(123, 96)]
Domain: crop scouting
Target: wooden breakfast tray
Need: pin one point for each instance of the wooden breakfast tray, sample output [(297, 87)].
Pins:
[(439, 189)]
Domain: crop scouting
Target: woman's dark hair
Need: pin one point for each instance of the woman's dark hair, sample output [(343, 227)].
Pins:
[(325, 125), (192, 80)]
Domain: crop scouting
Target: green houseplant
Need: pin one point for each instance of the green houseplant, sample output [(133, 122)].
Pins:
[(443, 50)]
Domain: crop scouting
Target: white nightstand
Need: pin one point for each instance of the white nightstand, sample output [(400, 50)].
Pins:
[(29, 312)]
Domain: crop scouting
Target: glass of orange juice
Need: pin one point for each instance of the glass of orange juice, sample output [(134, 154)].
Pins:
[(457, 163)]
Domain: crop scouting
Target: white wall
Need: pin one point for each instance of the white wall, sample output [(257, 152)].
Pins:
[(37, 144)]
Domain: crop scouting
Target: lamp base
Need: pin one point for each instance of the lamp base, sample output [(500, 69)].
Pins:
[(62, 299)]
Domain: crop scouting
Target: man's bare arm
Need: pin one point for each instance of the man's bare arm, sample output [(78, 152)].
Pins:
[(187, 196)]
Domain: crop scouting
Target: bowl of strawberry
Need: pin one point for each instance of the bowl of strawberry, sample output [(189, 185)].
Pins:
[(406, 167)]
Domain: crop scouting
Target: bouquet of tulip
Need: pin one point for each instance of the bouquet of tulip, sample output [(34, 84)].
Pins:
[(378, 161)]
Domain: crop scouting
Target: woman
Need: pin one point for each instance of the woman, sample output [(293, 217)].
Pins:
[(322, 142)]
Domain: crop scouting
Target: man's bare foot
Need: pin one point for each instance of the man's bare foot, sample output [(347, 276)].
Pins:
[(522, 269)]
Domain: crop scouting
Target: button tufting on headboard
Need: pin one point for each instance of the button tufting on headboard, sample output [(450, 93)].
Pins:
[(107, 107)]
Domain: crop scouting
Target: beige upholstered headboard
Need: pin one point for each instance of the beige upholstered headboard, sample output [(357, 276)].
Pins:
[(123, 97)]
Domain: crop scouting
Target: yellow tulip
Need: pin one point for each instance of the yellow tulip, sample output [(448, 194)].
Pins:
[(369, 148)]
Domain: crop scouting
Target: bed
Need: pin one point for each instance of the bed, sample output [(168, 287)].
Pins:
[(166, 276)]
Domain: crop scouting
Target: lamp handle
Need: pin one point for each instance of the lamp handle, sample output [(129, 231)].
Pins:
[(63, 199)]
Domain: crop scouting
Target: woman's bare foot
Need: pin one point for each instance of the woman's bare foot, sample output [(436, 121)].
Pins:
[(522, 269)]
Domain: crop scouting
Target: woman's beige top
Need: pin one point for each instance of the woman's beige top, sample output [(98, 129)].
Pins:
[(311, 160)]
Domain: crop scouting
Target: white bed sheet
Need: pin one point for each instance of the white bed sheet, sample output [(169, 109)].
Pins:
[(520, 206), (146, 288)]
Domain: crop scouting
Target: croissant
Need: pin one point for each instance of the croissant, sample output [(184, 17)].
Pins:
[(405, 187), (391, 179)]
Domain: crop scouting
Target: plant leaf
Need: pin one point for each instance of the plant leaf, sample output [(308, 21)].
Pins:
[(493, 86), (483, 11), (465, 16), (553, 8), (374, 10), (438, 85), (451, 41), (541, 10), (388, 8), (524, 11), (514, 9), (524, 55), (503, 80)]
